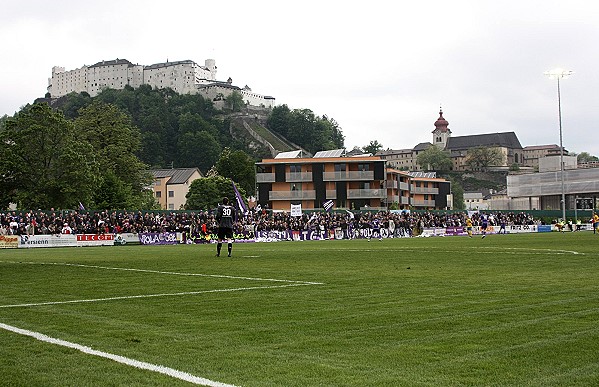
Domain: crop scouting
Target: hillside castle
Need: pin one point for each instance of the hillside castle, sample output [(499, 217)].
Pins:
[(184, 77)]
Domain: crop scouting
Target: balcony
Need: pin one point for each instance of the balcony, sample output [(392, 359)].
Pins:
[(391, 199), (348, 175), (423, 203), (298, 177), (331, 194), (405, 200), (366, 193), (265, 177), (292, 195), (425, 190), (398, 185)]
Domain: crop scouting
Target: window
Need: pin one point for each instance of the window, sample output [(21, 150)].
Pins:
[(158, 194), (171, 194), (294, 168), (171, 206), (363, 167), (339, 167)]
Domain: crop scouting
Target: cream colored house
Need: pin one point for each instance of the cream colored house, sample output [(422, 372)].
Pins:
[(171, 185)]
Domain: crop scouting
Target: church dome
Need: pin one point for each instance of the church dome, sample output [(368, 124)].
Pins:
[(441, 124)]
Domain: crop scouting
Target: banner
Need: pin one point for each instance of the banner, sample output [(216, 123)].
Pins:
[(433, 231), (244, 236), (296, 210), (154, 238), (126, 237), (55, 240), (518, 229), (9, 241), (84, 240), (455, 231)]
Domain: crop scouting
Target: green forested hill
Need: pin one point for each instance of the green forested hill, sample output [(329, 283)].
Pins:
[(187, 130)]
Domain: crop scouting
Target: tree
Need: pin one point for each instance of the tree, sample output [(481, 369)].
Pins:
[(458, 194), (434, 159), (237, 166), (208, 192), (373, 147), (123, 177), (43, 161), (235, 101), (481, 158), (193, 122), (337, 136), (304, 128), (585, 157), (198, 149), (279, 120), (73, 102)]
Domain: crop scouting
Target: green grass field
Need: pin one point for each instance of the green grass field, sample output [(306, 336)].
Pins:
[(507, 310)]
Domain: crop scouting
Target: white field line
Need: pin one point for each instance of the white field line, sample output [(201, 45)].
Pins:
[(167, 272), (490, 250), (289, 283), (153, 295), (119, 359)]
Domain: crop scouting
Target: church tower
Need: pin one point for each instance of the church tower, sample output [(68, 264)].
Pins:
[(441, 133)]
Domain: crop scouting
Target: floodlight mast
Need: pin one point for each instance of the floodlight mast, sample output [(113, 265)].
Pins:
[(559, 73)]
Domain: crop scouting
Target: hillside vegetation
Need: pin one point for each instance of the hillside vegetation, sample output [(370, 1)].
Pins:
[(187, 131)]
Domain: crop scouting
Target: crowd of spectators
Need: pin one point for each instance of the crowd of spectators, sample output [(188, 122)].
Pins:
[(203, 222)]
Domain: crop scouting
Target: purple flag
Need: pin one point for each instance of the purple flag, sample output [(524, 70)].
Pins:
[(240, 203)]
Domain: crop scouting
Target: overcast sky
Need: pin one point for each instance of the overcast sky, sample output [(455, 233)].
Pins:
[(381, 69)]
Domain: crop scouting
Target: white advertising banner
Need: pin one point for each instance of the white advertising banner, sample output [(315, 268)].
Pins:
[(518, 229), (56, 240), (126, 237), (95, 240)]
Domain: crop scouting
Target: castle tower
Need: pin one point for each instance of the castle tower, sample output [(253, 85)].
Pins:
[(441, 133), (210, 64)]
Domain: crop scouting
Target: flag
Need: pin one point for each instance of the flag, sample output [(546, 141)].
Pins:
[(241, 206), (296, 210), (81, 207), (351, 214), (328, 205)]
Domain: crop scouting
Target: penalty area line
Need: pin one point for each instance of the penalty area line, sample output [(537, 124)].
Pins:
[(153, 295), (117, 358)]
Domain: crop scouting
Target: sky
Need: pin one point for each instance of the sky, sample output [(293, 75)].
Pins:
[(380, 69)]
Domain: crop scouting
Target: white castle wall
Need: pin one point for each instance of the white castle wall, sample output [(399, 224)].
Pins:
[(114, 76), (184, 77), (216, 92), (65, 82)]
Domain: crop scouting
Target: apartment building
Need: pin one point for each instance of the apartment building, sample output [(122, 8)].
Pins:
[(356, 183)]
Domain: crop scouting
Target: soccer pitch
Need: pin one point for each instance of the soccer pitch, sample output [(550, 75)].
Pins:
[(505, 310)]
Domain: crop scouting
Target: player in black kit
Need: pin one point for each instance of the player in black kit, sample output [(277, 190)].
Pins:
[(225, 216)]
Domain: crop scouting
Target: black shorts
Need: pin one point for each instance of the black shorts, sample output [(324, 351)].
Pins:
[(225, 233)]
